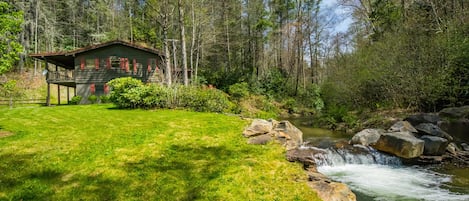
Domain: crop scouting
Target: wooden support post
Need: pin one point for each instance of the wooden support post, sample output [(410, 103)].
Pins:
[(68, 95), (75, 91), (48, 95), (48, 84), (58, 94), (58, 86)]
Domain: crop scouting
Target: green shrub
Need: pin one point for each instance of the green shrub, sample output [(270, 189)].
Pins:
[(120, 89), (104, 99), (128, 93), (75, 100), (93, 99), (239, 90), (290, 105)]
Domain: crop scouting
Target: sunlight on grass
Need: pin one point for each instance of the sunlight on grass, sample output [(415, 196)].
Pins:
[(96, 152)]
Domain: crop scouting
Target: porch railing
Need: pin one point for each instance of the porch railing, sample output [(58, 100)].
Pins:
[(61, 76)]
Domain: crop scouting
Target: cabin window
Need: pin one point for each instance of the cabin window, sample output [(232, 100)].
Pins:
[(90, 64), (152, 65), (114, 62), (82, 63), (96, 63), (100, 89)]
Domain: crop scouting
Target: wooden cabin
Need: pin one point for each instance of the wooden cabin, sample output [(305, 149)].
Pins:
[(88, 69)]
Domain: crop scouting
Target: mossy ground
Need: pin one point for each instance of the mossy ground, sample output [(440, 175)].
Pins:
[(96, 152)]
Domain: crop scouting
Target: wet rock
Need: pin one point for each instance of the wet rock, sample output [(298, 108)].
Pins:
[(329, 190), (260, 139), (402, 144), (258, 127), (424, 160), (367, 136), (465, 146), (290, 135), (423, 118), (434, 146), (402, 126), (457, 128), (433, 130), (453, 148), (304, 156), (455, 112)]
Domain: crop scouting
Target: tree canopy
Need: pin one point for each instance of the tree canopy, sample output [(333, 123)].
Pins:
[(10, 21)]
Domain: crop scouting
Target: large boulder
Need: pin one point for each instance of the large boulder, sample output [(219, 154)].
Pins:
[(329, 190), (258, 127), (263, 131), (288, 134), (455, 112), (402, 144), (457, 128), (304, 156), (260, 139), (402, 126), (433, 130), (434, 146), (367, 136), (417, 119)]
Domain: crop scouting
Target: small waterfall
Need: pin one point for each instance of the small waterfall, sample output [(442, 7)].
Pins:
[(358, 154), (373, 175)]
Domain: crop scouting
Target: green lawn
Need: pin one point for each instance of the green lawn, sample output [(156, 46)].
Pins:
[(96, 152)]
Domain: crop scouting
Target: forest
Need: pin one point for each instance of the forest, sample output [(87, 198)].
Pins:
[(410, 54)]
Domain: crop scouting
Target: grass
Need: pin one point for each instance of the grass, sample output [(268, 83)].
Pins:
[(96, 152)]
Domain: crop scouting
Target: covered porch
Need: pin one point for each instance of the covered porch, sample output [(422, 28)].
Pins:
[(60, 71)]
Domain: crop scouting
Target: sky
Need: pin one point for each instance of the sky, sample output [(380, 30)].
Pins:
[(341, 12)]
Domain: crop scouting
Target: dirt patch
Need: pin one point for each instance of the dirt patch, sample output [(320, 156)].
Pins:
[(5, 134)]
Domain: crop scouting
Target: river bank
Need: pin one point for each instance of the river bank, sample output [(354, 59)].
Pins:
[(375, 175)]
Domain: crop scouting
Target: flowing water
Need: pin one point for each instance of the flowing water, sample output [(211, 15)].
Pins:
[(376, 176)]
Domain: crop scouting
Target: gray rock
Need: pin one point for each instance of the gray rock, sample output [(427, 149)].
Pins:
[(453, 148), (423, 118), (433, 130), (465, 146), (402, 126), (304, 156), (258, 127), (457, 128), (434, 146), (288, 134), (330, 190), (455, 112), (260, 139), (402, 144), (367, 136)]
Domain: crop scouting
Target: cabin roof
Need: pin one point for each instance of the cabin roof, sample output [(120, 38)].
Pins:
[(66, 58)]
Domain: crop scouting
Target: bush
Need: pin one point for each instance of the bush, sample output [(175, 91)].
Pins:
[(93, 99), (239, 90), (75, 100), (128, 93), (104, 99), (122, 90)]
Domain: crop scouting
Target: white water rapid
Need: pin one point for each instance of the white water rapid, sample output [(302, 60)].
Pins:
[(376, 176)]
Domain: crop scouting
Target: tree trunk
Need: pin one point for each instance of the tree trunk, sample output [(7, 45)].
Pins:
[(183, 43), (168, 73)]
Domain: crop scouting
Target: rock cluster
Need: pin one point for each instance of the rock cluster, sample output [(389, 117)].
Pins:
[(263, 131), (427, 137)]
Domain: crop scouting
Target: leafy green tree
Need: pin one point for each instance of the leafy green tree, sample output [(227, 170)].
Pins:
[(10, 23)]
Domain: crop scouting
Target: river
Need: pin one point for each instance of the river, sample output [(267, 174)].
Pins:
[(376, 176)]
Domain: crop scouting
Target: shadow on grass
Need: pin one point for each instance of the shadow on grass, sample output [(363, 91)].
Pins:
[(183, 171), (22, 177)]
